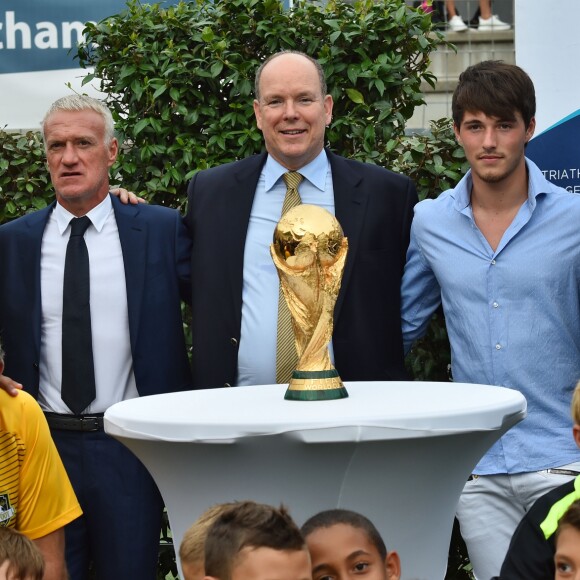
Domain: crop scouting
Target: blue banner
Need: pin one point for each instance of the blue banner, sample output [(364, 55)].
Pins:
[(39, 35), (556, 152)]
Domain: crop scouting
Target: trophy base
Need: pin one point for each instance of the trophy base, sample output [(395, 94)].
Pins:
[(315, 386)]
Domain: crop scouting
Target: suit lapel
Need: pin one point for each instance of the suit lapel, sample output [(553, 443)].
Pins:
[(350, 199), (133, 238), (238, 199), (36, 223)]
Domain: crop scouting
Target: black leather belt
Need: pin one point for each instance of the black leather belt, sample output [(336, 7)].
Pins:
[(75, 422), (560, 471), (554, 470)]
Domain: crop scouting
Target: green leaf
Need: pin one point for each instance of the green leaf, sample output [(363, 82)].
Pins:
[(137, 89), (159, 91), (140, 125), (127, 71), (353, 72), (87, 79), (39, 202), (216, 68), (335, 36), (355, 96), (207, 34)]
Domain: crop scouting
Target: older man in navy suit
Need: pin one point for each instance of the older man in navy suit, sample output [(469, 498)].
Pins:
[(232, 213), (131, 263)]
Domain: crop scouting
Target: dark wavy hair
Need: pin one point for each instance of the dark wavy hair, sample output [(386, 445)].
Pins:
[(495, 88)]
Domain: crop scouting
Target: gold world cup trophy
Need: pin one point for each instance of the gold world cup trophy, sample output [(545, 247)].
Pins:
[(309, 252)]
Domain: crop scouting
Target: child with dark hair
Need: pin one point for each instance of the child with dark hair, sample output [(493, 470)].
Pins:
[(567, 557), (344, 544)]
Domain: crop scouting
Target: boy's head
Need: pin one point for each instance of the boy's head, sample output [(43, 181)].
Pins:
[(20, 559), (191, 550), (496, 89), (575, 411), (344, 544), (567, 543), (252, 541)]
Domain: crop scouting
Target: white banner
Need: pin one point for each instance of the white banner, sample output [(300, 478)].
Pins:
[(548, 49)]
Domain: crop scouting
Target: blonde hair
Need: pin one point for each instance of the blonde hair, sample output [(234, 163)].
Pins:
[(25, 559), (191, 550), (575, 407)]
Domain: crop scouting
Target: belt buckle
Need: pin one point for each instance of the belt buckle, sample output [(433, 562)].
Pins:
[(91, 423)]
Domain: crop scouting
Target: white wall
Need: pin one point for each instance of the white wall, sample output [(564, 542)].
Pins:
[(547, 41)]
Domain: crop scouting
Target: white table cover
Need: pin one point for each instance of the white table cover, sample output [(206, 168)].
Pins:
[(398, 452)]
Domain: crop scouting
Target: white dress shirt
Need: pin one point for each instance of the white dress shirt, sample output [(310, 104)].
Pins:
[(114, 376)]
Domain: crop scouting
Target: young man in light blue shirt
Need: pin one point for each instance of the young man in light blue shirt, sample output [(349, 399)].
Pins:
[(501, 253)]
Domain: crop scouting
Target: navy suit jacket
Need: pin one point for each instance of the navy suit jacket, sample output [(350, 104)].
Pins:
[(374, 207), (156, 249)]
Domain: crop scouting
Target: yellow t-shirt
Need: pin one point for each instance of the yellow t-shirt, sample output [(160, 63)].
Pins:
[(36, 497)]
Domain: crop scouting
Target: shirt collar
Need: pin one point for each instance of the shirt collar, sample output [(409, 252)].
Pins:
[(98, 215), (315, 171), (536, 180), (462, 192)]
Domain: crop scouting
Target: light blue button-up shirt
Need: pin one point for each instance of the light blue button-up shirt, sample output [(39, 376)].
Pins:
[(257, 353), (512, 315)]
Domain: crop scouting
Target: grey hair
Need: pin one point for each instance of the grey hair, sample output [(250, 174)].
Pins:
[(322, 78), (82, 103)]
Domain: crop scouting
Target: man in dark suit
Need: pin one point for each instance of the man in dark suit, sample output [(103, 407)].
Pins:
[(137, 260), (232, 212)]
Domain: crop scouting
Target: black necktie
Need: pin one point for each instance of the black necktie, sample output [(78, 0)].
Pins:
[(78, 373)]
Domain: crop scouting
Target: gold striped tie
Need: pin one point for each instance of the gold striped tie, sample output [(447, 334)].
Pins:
[(286, 355)]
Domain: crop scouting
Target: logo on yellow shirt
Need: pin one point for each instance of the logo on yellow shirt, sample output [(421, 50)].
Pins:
[(7, 512)]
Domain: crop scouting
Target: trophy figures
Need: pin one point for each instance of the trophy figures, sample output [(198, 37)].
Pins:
[(309, 252)]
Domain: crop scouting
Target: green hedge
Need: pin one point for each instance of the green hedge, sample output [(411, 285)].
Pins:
[(180, 79)]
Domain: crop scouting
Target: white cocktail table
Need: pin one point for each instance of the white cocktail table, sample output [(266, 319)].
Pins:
[(398, 452)]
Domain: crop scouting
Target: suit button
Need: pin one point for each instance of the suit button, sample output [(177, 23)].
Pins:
[(35, 366), (227, 385), (234, 341)]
